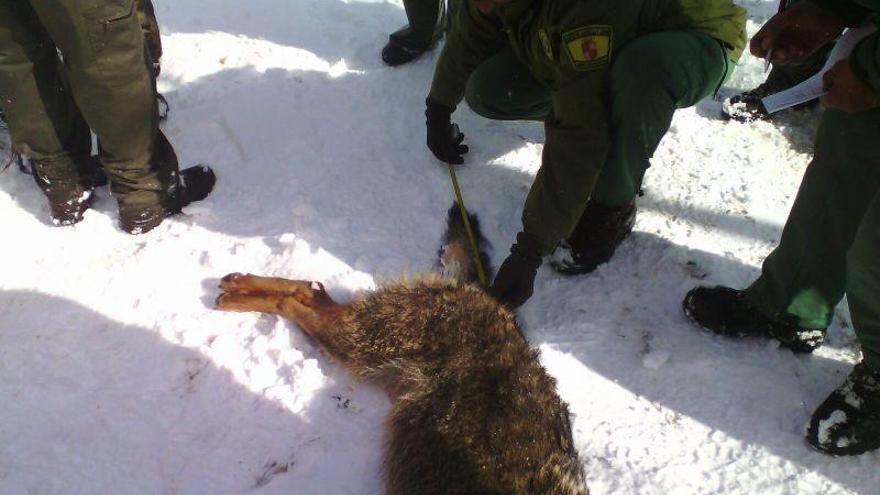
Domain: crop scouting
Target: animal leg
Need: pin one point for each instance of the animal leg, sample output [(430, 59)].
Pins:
[(253, 284), (305, 303), (313, 310), (244, 302)]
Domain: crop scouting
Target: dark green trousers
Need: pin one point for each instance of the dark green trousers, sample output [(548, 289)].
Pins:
[(427, 21), (650, 78), (102, 83), (150, 28), (831, 242)]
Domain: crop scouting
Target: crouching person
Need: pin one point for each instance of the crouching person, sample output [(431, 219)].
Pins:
[(831, 240), (605, 77), (69, 68)]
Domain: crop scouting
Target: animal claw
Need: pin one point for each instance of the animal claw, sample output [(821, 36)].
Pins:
[(218, 302)]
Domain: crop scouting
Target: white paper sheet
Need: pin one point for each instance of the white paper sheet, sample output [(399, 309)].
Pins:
[(812, 87)]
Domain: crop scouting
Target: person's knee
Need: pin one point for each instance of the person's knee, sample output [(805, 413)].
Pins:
[(639, 97), (637, 89), (479, 95), (500, 92)]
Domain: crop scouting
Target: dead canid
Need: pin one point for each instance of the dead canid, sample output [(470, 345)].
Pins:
[(474, 412)]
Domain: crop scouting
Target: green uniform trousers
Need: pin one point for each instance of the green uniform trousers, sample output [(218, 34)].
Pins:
[(427, 20), (150, 28), (650, 78), (101, 82), (831, 242)]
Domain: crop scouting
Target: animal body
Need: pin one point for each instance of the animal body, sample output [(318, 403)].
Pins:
[(474, 413)]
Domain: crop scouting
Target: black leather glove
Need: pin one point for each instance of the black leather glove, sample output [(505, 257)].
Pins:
[(515, 280), (444, 137)]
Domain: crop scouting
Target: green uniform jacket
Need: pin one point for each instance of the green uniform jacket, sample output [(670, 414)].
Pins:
[(568, 45), (865, 59)]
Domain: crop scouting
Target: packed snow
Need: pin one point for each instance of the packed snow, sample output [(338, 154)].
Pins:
[(117, 376)]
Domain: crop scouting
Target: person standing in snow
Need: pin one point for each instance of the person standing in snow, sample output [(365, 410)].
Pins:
[(427, 21), (605, 77), (69, 67), (747, 106), (152, 38), (830, 245)]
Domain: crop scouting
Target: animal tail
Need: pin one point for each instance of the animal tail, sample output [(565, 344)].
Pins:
[(457, 258)]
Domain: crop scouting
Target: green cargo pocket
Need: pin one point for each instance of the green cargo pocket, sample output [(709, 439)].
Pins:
[(105, 11), (115, 37)]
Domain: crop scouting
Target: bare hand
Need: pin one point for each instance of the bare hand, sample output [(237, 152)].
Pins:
[(792, 35), (847, 92)]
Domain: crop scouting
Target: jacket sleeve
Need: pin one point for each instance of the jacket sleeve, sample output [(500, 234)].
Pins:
[(577, 142), (852, 12), (472, 39)]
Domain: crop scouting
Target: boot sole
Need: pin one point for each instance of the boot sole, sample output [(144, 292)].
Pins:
[(795, 348)]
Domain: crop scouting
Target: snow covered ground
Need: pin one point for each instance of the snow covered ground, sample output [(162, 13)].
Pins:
[(116, 376)]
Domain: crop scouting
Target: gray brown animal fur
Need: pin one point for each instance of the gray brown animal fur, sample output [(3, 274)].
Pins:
[(456, 255), (474, 413)]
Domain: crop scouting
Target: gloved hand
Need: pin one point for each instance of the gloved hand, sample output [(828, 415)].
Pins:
[(444, 137), (793, 34), (845, 91), (515, 280)]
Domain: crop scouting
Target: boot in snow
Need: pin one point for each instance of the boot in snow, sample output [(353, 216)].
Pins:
[(727, 312), (848, 422), (194, 184), (68, 208), (595, 238), (69, 192), (397, 53)]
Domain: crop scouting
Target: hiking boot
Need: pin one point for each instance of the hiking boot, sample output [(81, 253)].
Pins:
[(595, 238), (848, 422), (69, 192), (728, 312), (68, 208), (194, 184), (397, 53)]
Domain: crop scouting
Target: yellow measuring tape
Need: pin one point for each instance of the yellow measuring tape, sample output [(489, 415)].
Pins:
[(481, 273)]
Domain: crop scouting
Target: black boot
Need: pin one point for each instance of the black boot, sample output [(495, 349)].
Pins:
[(598, 233), (70, 208), (67, 201), (68, 185), (848, 422), (194, 184), (398, 53), (728, 312)]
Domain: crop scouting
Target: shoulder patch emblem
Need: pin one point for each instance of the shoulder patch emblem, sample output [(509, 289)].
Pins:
[(588, 47)]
